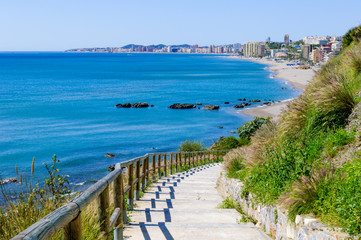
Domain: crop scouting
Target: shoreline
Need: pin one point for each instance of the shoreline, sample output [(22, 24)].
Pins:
[(297, 78)]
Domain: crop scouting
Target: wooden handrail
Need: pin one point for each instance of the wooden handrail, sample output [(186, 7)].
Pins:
[(140, 173)]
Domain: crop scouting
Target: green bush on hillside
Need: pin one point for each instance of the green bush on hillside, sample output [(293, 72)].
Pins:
[(249, 128), (191, 146), (353, 35)]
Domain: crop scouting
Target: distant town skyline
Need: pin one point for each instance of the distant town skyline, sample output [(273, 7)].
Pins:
[(41, 25)]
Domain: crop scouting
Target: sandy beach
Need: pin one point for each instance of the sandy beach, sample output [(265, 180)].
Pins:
[(298, 78)]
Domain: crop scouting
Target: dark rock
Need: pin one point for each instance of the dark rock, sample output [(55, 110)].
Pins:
[(239, 106), (140, 105), (211, 107), (249, 100), (284, 88), (199, 103), (220, 127), (242, 99), (118, 105), (267, 103), (9, 180), (226, 102), (152, 105), (126, 105), (111, 168), (198, 108), (109, 155), (256, 100), (182, 106)]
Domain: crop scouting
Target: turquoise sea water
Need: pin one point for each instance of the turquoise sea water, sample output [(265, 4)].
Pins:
[(63, 104)]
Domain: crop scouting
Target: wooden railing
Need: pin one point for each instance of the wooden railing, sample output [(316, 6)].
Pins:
[(138, 172)]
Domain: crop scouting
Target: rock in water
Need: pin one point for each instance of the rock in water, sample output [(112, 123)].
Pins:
[(140, 105), (198, 103), (127, 105), (182, 106), (210, 107), (111, 168), (239, 106), (109, 155), (119, 105), (226, 102)]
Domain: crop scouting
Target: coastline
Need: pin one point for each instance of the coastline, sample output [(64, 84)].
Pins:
[(298, 78)]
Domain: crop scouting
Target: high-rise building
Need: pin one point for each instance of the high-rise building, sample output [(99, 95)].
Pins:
[(268, 39), (253, 49), (306, 49), (287, 39)]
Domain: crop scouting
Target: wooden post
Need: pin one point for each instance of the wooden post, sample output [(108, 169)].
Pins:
[(118, 203), (144, 171), (130, 184), (124, 206), (147, 171), (137, 186), (171, 163), (165, 165), (159, 165), (73, 230), (103, 213), (176, 162), (154, 166)]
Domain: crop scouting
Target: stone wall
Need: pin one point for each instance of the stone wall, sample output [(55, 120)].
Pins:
[(273, 220)]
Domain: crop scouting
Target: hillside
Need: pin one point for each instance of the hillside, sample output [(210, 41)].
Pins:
[(309, 162)]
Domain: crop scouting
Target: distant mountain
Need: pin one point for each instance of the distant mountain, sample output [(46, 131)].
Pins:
[(158, 46)]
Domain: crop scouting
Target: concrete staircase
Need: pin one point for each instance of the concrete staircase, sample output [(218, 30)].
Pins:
[(184, 206)]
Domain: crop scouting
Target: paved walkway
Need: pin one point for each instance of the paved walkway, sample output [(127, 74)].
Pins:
[(184, 206)]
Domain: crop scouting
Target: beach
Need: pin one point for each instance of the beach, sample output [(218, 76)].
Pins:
[(298, 78)]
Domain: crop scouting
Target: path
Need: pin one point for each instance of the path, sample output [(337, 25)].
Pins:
[(184, 206)]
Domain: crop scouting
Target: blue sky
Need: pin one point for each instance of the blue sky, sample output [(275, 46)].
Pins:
[(62, 24)]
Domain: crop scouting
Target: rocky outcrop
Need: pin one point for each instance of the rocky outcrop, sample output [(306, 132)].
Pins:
[(9, 180), (111, 168), (109, 155), (210, 107), (242, 105), (119, 105), (140, 105), (267, 103), (126, 105), (199, 103), (182, 106), (226, 102), (241, 99)]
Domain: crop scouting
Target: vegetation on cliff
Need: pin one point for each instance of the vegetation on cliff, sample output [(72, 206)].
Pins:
[(310, 160)]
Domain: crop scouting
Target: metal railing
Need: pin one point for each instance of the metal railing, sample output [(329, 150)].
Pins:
[(140, 172)]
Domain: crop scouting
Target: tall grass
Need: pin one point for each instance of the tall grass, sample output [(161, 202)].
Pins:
[(290, 162)]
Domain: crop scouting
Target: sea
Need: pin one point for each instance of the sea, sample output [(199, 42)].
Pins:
[(63, 104)]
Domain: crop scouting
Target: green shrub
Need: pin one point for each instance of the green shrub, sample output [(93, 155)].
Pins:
[(235, 167), (226, 143), (307, 192), (191, 146), (353, 35), (249, 128), (342, 205)]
